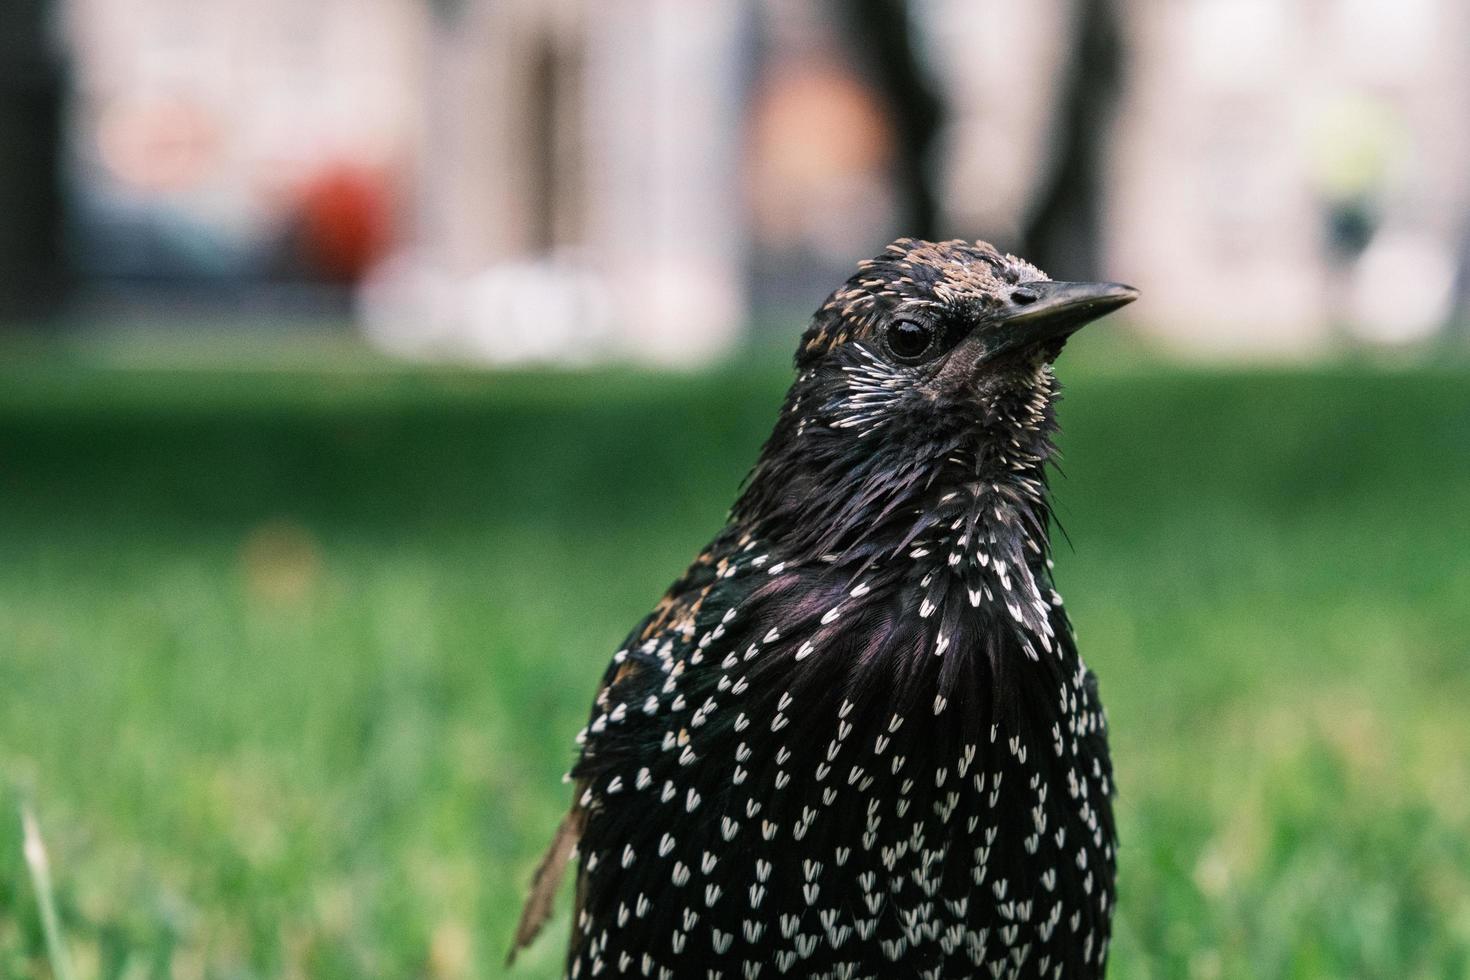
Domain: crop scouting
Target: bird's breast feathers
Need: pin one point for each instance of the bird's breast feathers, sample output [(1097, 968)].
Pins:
[(856, 739), (796, 763)]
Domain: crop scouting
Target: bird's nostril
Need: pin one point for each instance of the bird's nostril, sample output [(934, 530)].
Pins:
[(1024, 296)]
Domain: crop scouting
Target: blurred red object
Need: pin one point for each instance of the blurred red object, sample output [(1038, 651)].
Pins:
[(346, 214)]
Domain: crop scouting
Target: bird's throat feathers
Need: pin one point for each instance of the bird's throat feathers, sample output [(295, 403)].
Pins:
[(855, 474)]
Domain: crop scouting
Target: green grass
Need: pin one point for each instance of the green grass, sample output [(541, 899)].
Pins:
[(290, 662)]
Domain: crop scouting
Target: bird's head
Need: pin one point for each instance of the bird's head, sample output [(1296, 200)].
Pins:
[(929, 367), (941, 327)]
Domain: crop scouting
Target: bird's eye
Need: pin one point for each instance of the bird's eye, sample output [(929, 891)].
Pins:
[(908, 340)]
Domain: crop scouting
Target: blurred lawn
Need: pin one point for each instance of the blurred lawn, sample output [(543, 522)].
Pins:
[(290, 662)]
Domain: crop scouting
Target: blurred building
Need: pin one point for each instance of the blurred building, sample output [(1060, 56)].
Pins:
[(513, 180), (1287, 171), (578, 185), (237, 149)]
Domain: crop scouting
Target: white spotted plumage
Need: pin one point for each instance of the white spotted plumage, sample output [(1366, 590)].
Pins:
[(831, 750)]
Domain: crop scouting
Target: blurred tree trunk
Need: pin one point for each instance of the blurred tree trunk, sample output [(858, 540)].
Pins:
[(32, 93), (883, 37), (1062, 232)]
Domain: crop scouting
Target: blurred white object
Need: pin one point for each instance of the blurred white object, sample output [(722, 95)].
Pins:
[(1402, 288), (543, 310), (1002, 66), (580, 190)]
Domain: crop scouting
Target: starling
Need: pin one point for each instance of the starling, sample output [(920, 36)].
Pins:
[(856, 739)]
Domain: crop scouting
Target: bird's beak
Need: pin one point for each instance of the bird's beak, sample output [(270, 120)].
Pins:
[(1049, 312)]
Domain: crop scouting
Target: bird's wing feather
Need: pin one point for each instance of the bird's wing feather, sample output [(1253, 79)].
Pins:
[(672, 618), (545, 881)]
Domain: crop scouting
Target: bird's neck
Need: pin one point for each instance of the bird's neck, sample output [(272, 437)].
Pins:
[(987, 547), (945, 543), (974, 495)]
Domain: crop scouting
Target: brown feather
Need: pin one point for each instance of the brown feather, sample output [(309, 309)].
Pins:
[(546, 880)]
